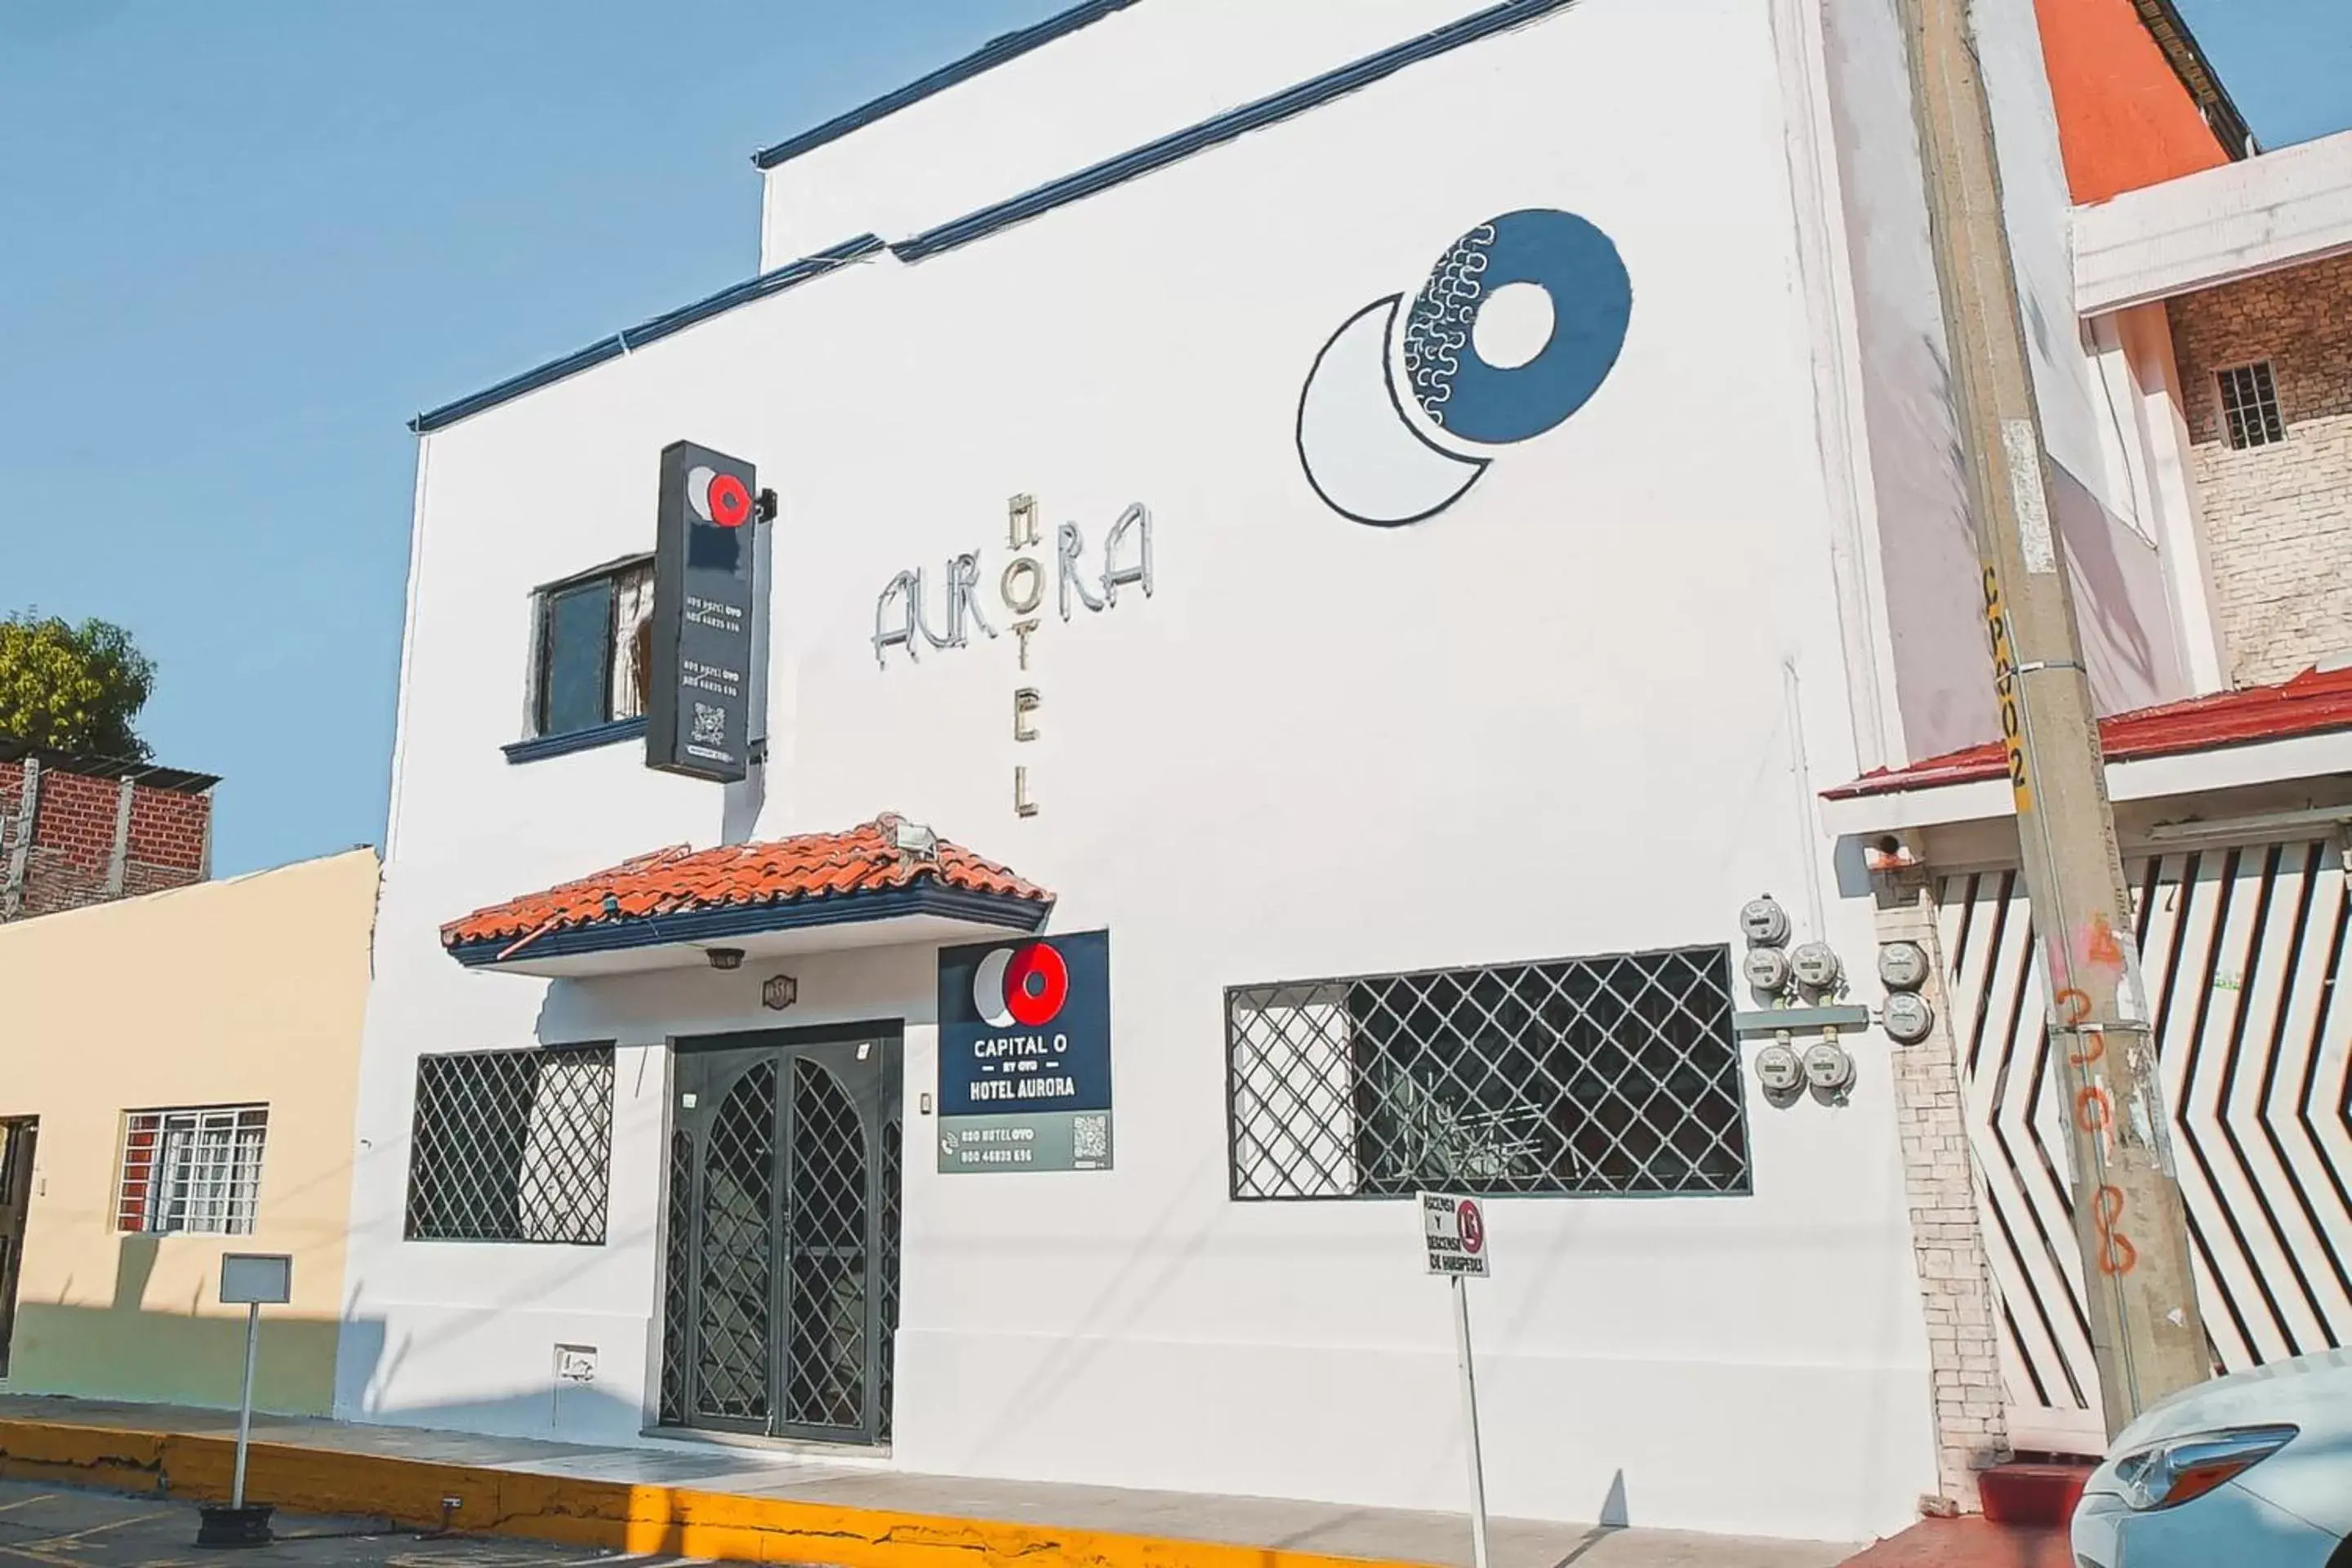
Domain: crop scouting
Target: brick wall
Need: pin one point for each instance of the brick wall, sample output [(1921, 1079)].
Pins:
[(68, 855), (1956, 1284), (2279, 517)]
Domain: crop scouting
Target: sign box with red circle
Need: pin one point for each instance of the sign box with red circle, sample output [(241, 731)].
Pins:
[(1025, 1055), (704, 632)]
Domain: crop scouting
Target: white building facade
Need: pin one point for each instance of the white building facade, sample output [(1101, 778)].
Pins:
[(1464, 482)]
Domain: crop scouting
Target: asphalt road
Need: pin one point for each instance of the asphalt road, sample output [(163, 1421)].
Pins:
[(61, 1527)]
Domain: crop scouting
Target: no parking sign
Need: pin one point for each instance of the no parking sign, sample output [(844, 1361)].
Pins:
[(1454, 1233)]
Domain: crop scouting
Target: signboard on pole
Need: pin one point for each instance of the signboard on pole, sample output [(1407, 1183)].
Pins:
[(1454, 1233), (1454, 1240), (1025, 1055), (698, 700)]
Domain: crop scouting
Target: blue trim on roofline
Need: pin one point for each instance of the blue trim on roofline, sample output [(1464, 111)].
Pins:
[(652, 330), (621, 935), (1152, 155), (1311, 94), (988, 57), (539, 747)]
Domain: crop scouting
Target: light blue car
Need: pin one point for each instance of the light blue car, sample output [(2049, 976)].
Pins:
[(2251, 1471)]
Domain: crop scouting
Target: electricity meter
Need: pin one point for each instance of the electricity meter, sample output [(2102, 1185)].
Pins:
[(1827, 1067), (1903, 965), (1764, 922), (1908, 1018), (1766, 969), (1778, 1068), (1817, 968)]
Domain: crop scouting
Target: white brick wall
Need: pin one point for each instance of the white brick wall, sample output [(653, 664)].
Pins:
[(2278, 517), (1955, 1280)]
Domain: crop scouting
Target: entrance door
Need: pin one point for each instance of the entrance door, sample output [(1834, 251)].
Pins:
[(16, 1140), (781, 1295)]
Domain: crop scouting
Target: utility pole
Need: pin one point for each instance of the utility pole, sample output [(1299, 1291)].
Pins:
[(2145, 1332)]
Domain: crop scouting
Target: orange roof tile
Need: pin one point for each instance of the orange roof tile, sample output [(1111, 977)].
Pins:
[(677, 881), (2311, 703)]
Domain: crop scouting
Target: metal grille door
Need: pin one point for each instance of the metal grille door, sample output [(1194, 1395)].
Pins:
[(2244, 951), (781, 1291)]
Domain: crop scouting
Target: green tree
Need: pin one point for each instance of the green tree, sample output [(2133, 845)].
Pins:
[(76, 689)]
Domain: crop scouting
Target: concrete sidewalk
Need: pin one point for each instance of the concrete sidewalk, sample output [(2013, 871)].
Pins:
[(758, 1505)]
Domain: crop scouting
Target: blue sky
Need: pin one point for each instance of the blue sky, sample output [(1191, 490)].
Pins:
[(246, 241)]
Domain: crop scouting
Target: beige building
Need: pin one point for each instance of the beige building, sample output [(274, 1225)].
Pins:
[(176, 1081)]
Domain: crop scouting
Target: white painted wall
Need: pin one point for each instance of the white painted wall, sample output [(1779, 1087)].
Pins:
[(1549, 721)]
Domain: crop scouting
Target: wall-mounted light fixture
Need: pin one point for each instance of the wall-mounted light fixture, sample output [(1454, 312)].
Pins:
[(724, 957)]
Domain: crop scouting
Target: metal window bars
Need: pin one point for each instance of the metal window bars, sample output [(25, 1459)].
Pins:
[(196, 1171), (2250, 406), (512, 1145), (1590, 1075)]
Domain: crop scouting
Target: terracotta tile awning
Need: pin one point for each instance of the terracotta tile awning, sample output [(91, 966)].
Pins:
[(2311, 703), (682, 897)]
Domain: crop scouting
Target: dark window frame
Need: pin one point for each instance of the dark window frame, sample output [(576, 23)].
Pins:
[(541, 722), (1322, 1133)]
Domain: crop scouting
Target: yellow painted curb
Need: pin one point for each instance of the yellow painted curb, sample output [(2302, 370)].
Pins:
[(612, 1515)]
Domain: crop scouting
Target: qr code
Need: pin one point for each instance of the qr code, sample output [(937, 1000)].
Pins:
[(709, 724), (1091, 1137)]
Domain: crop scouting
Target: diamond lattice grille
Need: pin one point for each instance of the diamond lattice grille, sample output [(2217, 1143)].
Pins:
[(1600, 1075), (739, 1180), (677, 1275), (512, 1146), (827, 1382), (892, 1159)]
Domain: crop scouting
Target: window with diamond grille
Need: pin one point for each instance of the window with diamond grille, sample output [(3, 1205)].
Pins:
[(2250, 406), (1585, 1075), (196, 1171), (512, 1146)]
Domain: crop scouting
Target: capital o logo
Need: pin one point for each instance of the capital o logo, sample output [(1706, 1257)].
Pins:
[(718, 497), (1517, 326), (1025, 985)]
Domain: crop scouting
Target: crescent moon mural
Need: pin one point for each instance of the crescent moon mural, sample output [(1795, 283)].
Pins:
[(988, 989), (1360, 452), (1373, 462)]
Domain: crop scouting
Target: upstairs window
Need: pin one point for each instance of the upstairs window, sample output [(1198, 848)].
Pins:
[(192, 1173), (595, 642), (2250, 406)]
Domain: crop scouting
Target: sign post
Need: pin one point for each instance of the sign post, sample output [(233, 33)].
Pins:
[(251, 1279), (1453, 1234)]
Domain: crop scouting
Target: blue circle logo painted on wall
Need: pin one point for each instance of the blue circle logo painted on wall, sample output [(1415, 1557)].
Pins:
[(1517, 327)]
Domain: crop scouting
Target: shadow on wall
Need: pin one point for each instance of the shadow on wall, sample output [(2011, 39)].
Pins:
[(130, 1351)]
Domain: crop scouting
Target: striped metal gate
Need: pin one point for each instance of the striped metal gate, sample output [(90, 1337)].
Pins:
[(2244, 948)]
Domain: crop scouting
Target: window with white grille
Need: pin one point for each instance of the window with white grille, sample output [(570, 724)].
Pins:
[(2250, 406), (1582, 1075), (512, 1146), (196, 1171)]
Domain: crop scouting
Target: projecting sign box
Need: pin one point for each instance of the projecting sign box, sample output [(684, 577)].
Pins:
[(699, 699), (1454, 1233), (1025, 1055)]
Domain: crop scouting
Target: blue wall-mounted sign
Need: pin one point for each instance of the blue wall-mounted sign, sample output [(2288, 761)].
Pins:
[(1025, 1055), (699, 702)]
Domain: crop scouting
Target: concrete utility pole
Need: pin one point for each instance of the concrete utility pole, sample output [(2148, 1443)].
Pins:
[(2146, 1331)]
